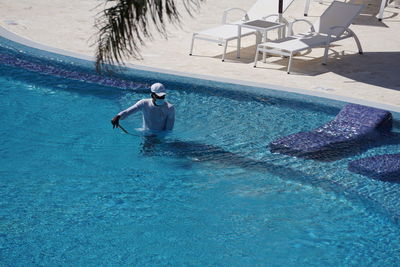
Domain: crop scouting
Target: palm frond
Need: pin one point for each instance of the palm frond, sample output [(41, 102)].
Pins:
[(124, 27)]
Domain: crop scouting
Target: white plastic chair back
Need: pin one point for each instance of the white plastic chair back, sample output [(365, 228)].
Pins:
[(264, 8), (337, 14)]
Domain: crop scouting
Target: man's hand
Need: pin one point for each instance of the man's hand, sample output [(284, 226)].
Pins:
[(115, 121)]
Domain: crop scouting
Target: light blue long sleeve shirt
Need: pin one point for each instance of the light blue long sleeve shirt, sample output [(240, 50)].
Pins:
[(155, 118)]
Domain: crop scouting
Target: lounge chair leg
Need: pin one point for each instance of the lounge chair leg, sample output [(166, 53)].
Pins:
[(191, 47), (325, 55), (258, 38), (381, 10), (264, 54), (239, 40), (256, 57), (225, 47), (360, 51), (306, 8), (290, 62)]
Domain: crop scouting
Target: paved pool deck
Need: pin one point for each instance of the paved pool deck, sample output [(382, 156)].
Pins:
[(373, 76)]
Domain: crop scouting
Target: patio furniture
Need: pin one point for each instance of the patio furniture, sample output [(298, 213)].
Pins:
[(332, 26), (382, 167), (353, 127), (263, 26), (231, 31), (383, 4)]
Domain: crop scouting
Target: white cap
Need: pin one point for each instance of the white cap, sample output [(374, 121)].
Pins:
[(158, 89)]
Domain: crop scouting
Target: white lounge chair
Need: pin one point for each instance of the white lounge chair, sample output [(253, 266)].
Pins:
[(332, 26), (230, 31), (383, 4)]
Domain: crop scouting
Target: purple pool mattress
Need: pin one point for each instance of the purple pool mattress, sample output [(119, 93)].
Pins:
[(383, 167), (353, 125)]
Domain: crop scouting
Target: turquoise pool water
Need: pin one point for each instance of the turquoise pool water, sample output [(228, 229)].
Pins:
[(75, 192)]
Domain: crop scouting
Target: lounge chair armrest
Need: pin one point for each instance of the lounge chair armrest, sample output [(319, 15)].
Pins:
[(277, 18), (290, 30), (331, 33), (283, 20), (226, 11), (270, 16)]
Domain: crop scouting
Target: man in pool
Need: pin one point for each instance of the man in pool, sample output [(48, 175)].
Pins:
[(158, 114)]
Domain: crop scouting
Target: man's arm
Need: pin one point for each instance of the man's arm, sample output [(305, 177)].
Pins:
[(131, 110), (123, 114), (169, 125)]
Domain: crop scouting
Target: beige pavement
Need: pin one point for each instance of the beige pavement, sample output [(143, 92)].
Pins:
[(373, 76)]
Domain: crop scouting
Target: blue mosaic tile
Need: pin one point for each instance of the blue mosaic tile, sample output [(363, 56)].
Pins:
[(66, 73), (353, 127), (383, 167)]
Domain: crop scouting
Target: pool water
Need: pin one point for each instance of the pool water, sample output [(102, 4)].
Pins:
[(76, 192)]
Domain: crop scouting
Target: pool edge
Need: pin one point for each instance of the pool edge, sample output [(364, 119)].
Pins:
[(24, 41)]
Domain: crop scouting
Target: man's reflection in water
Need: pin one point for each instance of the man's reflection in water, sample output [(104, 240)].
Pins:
[(150, 143)]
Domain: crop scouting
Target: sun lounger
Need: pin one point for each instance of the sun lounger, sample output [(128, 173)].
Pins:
[(332, 26), (353, 126), (383, 167), (230, 31), (383, 4), (308, 2)]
